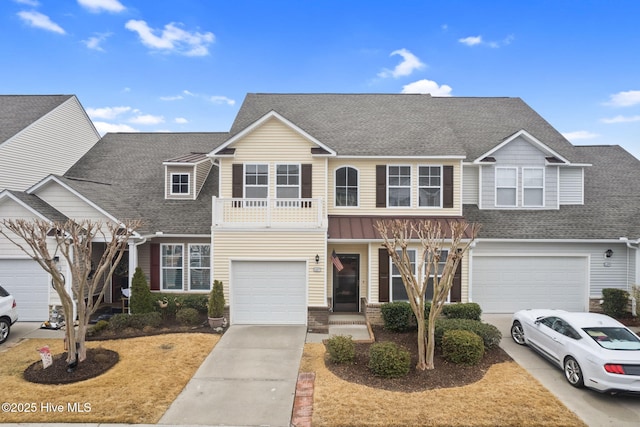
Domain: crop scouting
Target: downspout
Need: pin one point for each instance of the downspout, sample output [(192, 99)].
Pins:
[(469, 273), (133, 261), (630, 245)]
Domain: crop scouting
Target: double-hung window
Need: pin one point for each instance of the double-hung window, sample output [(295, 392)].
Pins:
[(179, 183), (533, 187), (199, 267), (430, 186), (256, 183), (399, 186), (346, 186), (171, 267), (506, 187), (398, 290), (288, 184)]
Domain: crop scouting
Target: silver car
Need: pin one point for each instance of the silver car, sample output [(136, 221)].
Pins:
[(8, 314), (593, 350)]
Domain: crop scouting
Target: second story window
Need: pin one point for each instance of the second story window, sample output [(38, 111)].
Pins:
[(532, 187), (506, 186), (399, 185), (256, 181), (346, 186), (179, 183), (287, 181), (429, 186)]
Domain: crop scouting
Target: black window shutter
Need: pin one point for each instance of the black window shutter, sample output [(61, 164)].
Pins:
[(306, 181), (237, 178), (381, 186), (456, 288), (447, 186), (383, 275)]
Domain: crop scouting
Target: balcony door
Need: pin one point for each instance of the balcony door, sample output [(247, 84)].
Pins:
[(345, 284)]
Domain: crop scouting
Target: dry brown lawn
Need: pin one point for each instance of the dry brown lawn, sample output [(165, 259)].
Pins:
[(152, 371), (506, 396)]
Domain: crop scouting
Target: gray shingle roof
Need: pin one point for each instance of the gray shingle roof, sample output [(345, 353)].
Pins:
[(405, 125), (39, 206), (124, 174), (19, 111), (610, 208)]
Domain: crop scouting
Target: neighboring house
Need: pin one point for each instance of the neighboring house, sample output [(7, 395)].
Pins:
[(299, 177), (39, 135)]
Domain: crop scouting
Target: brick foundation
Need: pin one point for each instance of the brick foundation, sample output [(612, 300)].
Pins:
[(318, 319)]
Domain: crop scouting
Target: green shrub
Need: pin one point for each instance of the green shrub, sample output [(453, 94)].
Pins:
[(153, 320), (398, 316), (388, 360), (195, 301), (462, 347), (142, 300), (341, 349), (122, 321), (188, 316), (100, 326), (469, 310), (216, 300), (615, 302), (490, 335)]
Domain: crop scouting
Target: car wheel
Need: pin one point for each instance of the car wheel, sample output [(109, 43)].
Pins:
[(5, 328), (573, 373), (517, 333)]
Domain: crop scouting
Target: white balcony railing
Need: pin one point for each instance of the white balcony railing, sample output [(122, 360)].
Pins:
[(276, 213)]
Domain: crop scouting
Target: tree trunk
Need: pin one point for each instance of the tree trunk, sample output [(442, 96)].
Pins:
[(431, 342), (423, 347)]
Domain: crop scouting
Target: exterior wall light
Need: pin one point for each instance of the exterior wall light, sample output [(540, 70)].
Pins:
[(317, 259), (608, 253)]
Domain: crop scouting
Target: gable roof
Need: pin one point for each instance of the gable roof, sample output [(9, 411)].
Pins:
[(405, 125), (124, 174), (610, 209), (35, 205), (19, 111)]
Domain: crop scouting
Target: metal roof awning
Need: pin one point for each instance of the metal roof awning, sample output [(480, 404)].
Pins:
[(364, 227)]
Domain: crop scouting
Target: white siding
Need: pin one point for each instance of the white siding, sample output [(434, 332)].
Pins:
[(470, 183), (68, 203), (571, 186), (51, 145)]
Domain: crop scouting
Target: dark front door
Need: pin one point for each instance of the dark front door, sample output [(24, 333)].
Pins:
[(345, 283)]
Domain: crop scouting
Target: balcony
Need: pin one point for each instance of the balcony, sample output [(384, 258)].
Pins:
[(267, 213)]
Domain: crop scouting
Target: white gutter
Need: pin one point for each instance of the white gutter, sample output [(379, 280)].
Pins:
[(630, 244)]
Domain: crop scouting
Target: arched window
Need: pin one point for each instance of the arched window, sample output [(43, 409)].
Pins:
[(346, 186)]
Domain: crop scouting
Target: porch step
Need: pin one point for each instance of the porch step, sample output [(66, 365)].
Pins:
[(347, 319)]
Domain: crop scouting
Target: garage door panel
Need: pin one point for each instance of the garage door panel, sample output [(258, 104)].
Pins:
[(268, 292), (507, 284), (29, 284)]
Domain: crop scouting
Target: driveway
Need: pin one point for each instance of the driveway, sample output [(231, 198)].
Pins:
[(24, 330), (595, 409)]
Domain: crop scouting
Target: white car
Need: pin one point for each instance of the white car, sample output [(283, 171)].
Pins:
[(593, 349), (8, 314)]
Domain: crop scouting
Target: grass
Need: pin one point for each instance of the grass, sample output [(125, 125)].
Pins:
[(152, 371), (506, 396)]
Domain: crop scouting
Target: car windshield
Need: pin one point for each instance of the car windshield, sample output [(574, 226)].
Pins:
[(3, 293), (614, 338)]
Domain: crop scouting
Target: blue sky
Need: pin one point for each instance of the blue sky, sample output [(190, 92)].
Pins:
[(169, 65)]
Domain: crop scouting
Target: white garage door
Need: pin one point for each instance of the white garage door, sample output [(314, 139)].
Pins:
[(268, 292), (510, 283), (29, 284)]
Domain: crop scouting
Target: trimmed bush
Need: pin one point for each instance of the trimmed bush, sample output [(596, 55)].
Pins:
[(121, 321), (198, 302), (388, 360), (188, 316), (398, 316), (615, 302), (462, 347), (469, 310), (341, 349), (490, 335), (142, 300), (97, 328)]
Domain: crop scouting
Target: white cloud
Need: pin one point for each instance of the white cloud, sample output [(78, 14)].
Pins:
[(33, 3), (103, 127), (409, 64), (222, 100), (38, 20), (97, 6), (427, 86), (172, 38), (95, 41), (580, 134), (621, 119), (171, 98), (471, 41), (107, 113), (181, 120), (146, 119), (624, 99)]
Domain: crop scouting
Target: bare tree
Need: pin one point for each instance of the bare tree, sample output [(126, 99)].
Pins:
[(75, 241), (398, 235)]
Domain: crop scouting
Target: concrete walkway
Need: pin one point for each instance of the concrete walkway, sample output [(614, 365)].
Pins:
[(249, 379)]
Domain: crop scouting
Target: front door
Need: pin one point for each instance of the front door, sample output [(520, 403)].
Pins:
[(345, 283)]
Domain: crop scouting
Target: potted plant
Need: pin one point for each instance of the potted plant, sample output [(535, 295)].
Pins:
[(216, 305)]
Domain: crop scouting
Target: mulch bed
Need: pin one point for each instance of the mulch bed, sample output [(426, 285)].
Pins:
[(445, 374), (98, 361)]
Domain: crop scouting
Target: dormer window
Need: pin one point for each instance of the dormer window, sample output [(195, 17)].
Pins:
[(533, 187), (506, 187), (179, 183)]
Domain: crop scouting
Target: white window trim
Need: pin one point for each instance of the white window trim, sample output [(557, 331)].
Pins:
[(188, 175), (410, 186), (190, 245), (495, 187), (415, 272), (299, 186), (162, 267), (524, 188), (335, 187), (422, 186), (244, 178)]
